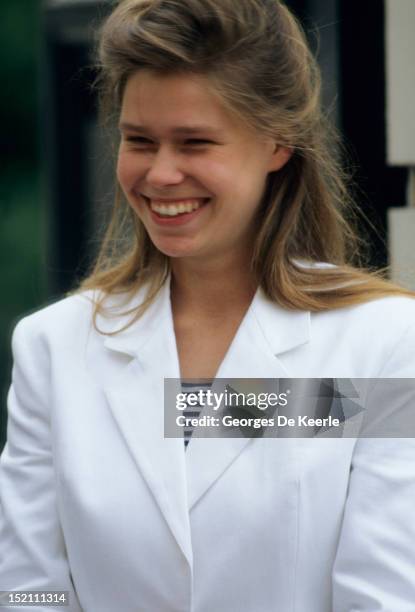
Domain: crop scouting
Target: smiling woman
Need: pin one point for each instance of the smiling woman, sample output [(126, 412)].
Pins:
[(229, 256)]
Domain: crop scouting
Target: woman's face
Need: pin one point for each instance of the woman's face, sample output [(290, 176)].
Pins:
[(191, 171)]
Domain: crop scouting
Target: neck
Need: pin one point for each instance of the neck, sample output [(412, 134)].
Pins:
[(212, 288)]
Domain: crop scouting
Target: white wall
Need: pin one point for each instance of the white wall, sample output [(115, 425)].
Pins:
[(400, 92), (400, 76)]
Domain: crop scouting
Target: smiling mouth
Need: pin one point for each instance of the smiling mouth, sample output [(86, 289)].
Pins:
[(175, 208)]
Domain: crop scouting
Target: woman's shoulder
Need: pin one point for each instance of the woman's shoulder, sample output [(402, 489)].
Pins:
[(383, 321), (82, 315), (71, 318), (58, 315), (394, 311), (80, 305), (377, 335)]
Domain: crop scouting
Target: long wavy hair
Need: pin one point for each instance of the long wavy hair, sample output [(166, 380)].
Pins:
[(256, 55)]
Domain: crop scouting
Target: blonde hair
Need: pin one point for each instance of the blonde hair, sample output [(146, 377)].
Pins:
[(257, 57)]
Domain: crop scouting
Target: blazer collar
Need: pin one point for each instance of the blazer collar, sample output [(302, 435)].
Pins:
[(178, 480), (281, 329), (134, 337)]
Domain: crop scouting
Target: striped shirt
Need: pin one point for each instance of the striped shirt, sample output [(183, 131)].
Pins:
[(192, 411)]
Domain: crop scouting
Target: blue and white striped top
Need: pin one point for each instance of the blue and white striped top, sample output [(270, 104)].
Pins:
[(192, 411)]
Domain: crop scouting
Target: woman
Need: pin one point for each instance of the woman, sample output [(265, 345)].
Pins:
[(211, 267)]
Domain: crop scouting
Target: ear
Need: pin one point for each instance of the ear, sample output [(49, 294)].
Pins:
[(279, 158)]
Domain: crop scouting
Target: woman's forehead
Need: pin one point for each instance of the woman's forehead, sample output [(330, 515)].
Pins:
[(187, 103)]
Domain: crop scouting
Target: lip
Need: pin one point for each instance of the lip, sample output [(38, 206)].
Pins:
[(180, 220), (174, 200)]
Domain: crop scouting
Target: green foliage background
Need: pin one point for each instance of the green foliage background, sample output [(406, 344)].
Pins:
[(21, 211)]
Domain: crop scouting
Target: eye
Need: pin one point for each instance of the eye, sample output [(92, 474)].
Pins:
[(139, 140), (198, 141)]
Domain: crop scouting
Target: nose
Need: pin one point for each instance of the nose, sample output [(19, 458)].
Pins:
[(164, 169)]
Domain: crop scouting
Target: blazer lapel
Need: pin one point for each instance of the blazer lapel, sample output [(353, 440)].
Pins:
[(177, 479), (266, 332), (136, 401)]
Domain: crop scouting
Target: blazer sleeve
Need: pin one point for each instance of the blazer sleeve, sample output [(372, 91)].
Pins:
[(32, 551), (375, 562)]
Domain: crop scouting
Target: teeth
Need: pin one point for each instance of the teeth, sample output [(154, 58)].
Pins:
[(176, 208)]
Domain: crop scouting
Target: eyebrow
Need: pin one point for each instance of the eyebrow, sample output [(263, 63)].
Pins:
[(181, 130)]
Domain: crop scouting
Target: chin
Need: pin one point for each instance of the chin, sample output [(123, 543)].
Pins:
[(173, 248)]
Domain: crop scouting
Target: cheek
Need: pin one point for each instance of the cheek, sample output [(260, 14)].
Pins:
[(128, 171), (218, 175), (237, 173)]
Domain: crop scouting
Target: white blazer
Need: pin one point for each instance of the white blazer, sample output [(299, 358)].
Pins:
[(95, 501)]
